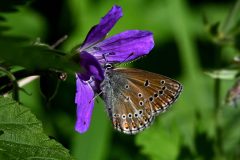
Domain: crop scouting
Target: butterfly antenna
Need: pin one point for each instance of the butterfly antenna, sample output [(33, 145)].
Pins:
[(130, 55), (95, 96), (105, 59)]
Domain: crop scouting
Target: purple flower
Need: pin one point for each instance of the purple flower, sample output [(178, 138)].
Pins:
[(96, 51)]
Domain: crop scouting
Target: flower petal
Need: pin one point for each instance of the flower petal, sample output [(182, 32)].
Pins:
[(123, 47), (84, 100), (91, 66), (99, 31)]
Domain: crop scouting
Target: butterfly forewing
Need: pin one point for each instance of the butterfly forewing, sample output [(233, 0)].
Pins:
[(160, 91), (134, 97)]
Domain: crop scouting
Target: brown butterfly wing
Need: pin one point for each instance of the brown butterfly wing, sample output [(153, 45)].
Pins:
[(134, 97), (158, 90)]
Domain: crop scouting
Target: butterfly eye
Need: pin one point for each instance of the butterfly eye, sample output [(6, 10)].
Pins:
[(108, 66)]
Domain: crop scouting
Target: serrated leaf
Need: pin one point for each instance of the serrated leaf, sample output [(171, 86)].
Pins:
[(11, 5), (22, 137), (168, 143), (7, 6)]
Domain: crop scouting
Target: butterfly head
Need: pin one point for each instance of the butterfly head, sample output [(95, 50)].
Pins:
[(108, 66)]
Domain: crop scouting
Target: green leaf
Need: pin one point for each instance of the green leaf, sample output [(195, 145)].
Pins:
[(232, 21), (22, 137), (10, 5), (223, 74), (17, 51), (32, 24), (166, 139), (231, 136), (7, 6)]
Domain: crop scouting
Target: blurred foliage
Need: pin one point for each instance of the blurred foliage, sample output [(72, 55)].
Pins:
[(192, 38)]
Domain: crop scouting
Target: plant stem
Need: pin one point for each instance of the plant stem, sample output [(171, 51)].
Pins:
[(13, 81), (218, 129), (6, 84)]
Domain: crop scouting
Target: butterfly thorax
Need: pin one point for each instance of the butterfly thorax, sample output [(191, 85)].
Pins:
[(110, 86)]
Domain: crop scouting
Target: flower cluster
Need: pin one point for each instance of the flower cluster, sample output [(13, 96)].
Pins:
[(96, 51)]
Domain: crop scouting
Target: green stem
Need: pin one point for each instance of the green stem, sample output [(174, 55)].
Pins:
[(54, 94), (6, 85), (14, 83), (217, 100), (218, 145)]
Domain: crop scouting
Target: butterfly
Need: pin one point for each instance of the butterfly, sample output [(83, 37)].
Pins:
[(134, 97)]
